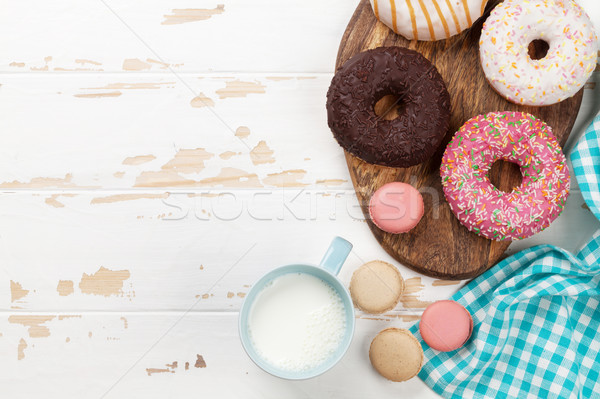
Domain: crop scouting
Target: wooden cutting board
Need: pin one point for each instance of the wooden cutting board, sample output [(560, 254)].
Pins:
[(440, 246)]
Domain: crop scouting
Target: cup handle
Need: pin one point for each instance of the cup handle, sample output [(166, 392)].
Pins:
[(336, 255)]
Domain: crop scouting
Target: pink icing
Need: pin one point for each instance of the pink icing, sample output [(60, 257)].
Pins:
[(396, 207), (515, 137)]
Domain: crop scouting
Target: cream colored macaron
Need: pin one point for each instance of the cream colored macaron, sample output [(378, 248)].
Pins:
[(396, 354), (376, 287)]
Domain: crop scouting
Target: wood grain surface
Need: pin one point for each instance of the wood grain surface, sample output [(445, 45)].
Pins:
[(159, 157), (440, 246)]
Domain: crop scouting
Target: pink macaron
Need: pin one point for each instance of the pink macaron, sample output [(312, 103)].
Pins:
[(396, 207), (446, 325)]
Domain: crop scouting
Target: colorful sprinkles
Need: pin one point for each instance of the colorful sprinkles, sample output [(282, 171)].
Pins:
[(571, 57), (514, 137)]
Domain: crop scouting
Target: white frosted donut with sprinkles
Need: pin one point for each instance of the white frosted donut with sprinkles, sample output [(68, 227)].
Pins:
[(571, 58), (514, 137), (428, 20)]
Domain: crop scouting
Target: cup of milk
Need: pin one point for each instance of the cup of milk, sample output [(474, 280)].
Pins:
[(297, 321)]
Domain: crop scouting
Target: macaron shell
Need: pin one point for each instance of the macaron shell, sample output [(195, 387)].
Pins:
[(396, 354), (446, 325), (376, 287), (396, 207)]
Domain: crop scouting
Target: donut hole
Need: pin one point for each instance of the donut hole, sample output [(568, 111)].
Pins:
[(538, 49), (505, 175), (388, 107)]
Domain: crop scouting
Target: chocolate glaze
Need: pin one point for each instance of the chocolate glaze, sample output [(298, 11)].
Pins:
[(363, 80)]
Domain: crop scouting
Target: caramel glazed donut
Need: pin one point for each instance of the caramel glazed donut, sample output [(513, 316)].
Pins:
[(428, 20)]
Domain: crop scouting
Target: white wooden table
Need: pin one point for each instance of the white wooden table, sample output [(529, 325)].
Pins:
[(156, 158)]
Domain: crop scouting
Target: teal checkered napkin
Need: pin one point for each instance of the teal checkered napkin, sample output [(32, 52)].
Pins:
[(586, 164), (536, 317)]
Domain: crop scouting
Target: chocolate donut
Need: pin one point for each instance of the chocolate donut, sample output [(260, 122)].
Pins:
[(424, 112)]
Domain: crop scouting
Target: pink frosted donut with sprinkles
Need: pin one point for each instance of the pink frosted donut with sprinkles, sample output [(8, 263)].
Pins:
[(504, 50), (514, 137)]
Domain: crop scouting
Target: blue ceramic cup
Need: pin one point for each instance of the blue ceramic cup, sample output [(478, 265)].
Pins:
[(327, 270)]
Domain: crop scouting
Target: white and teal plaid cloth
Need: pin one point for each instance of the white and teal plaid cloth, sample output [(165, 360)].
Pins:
[(536, 317), (586, 164)]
